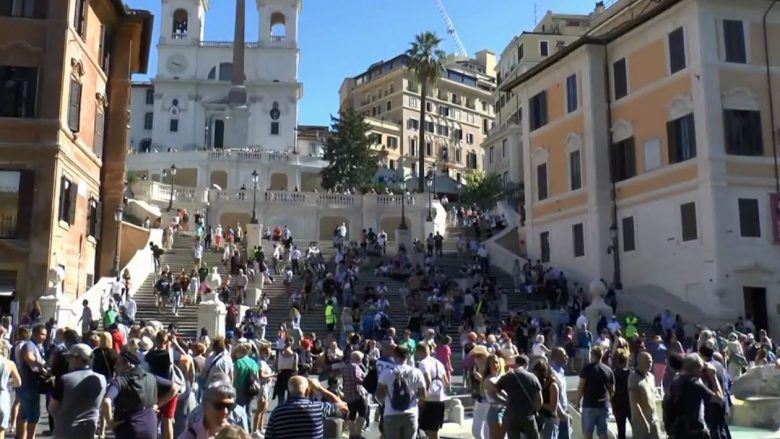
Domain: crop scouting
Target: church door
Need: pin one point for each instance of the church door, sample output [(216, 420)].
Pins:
[(219, 134)]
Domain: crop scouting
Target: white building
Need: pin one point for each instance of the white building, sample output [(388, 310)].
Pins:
[(185, 105)]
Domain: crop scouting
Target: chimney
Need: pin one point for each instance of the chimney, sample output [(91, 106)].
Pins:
[(599, 7), (488, 60)]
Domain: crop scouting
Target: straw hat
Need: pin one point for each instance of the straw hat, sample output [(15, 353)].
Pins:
[(479, 350)]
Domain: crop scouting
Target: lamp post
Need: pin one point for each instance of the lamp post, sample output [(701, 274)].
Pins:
[(118, 214), (242, 193), (430, 199), (460, 193), (613, 233), (255, 180), (403, 225), (171, 173)]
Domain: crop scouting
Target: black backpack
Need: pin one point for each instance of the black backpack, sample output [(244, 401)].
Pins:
[(371, 380), (401, 396), (252, 387)]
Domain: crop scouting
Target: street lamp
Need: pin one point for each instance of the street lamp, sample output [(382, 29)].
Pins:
[(460, 191), (242, 193), (118, 214), (613, 233), (403, 225), (430, 199), (171, 173), (255, 180)]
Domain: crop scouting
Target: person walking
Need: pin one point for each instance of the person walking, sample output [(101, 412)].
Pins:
[(523, 400), (596, 388), (621, 407), (641, 393), (77, 396), (300, 417), (436, 380), (400, 388), (9, 379)]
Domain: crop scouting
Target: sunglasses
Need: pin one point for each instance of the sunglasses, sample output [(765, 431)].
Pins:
[(223, 405)]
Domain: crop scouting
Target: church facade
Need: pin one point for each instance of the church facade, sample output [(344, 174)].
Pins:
[(187, 106)]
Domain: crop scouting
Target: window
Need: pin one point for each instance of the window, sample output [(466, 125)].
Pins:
[(541, 181), (544, 244), (681, 136), (623, 160), (490, 154), (749, 224), (444, 111), (225, 71), (413, 124), (94, 220), (520, 53), (104, 50), (471, 160), (18, 91), (100, 125), (578, 238), (734, 41), (413, 147), (148, 121), (74, 106), (377, 138), (68, 194), (571, 93), (274, 128), (620, 78), (413, 102), (15, 203), (688, 218), (503, 148), (391, 164), (469, 138), (23, 8), (389, 105), (392, 142), (676, 50), (575, 170), (538, 110), (743, 132), (544, 48), (458, 155), (429, 127), (174, 126), (629, 240), (428, 107), (150, 97), (414, 168), (652, 154), (428, 149), (80, 17)]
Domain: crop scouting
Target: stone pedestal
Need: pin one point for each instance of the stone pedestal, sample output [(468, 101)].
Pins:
[(403, 237), (253, 296), (49, 305), (211, 315), (254, 234), (237, 127), (454, 411)]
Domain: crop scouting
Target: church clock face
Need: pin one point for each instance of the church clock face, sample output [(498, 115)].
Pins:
[(176, 63), (275, 113)]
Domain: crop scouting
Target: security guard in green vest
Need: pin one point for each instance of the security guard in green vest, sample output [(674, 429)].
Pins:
[(330, 316), (631, 329)]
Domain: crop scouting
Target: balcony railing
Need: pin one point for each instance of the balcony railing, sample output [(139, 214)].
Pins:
[(226, 44), (278, 38), (161, 192), (8, 229)]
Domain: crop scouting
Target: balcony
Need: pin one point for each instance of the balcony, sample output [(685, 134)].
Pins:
[(178, 35), (278, 38)]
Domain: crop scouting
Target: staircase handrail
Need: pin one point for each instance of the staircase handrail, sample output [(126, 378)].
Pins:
[(140, 265)]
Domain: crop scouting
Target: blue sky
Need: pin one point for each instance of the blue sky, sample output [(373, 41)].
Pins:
[(341, 38)]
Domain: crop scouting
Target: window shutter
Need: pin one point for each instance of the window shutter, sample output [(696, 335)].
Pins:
[(671, 140), (73, 193), (25, 206), (100, 123), (98, 221), (74, 106)]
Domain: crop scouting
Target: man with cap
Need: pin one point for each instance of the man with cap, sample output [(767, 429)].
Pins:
[(131, 401), (77, 396)]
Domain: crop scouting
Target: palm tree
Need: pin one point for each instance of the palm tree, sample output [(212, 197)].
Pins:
[(427, 61)]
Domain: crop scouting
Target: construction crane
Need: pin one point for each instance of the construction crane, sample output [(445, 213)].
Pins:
[(451, 28)]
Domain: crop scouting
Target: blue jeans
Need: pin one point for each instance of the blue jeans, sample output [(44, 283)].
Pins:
[(564, 429), (594, 418), (550, 428)]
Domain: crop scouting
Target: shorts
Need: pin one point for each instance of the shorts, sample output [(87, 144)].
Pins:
[(357, 408), (431, 415), (594, 418), (168, 410), (29, 406), (331, 326)]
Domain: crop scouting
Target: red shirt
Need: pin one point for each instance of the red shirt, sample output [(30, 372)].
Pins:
[(119, 341)]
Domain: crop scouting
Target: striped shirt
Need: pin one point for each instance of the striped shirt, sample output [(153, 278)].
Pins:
[(299, 418)]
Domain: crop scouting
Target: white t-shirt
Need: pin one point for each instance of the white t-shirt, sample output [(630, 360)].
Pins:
[(582, 321), (434, 369), (416, 382)]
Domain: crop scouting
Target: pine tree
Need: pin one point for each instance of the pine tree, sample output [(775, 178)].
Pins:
[(351, 161)]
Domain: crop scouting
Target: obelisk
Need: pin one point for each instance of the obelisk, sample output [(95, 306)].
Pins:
[(237, 119)]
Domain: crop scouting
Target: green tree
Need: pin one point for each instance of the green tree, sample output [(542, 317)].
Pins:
[(351, 161), (483, 189), (426, 60)]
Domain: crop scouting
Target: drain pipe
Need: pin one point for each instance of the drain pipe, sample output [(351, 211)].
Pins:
[(613, 229), (771, 101)]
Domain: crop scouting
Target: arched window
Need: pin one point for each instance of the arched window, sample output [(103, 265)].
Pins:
[(179, 24), (225, 71), (278, 26)]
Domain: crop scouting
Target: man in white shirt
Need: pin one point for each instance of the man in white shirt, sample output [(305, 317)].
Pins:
[(400, 414), (295, 257), (613, 325), (381, 239), (582, 321), (432, 410), (130, 308)]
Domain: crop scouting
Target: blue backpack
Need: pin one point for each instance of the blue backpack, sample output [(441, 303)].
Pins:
[(401, 397)]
